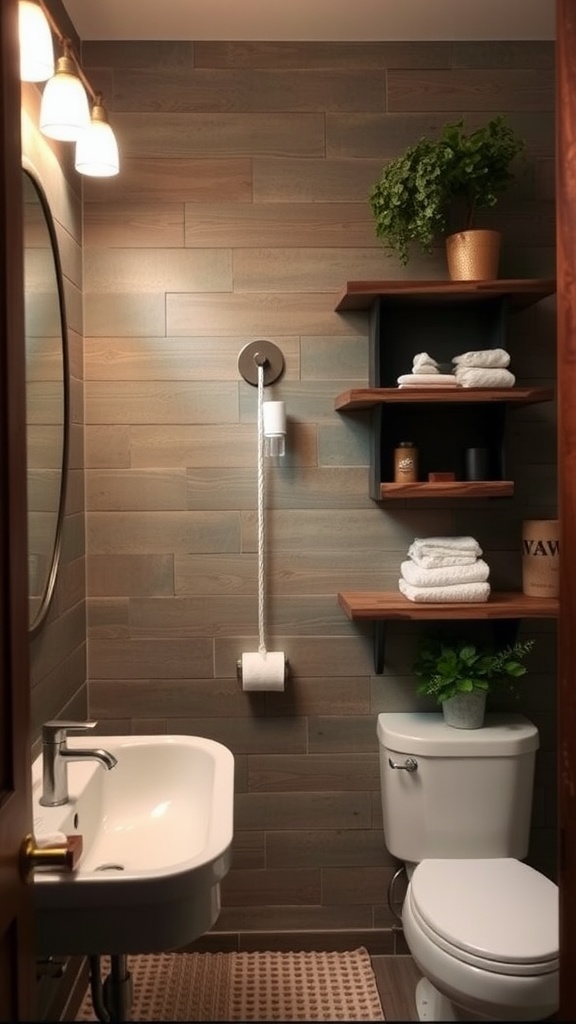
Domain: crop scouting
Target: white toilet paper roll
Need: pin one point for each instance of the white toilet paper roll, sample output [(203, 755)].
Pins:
[(263, 671)]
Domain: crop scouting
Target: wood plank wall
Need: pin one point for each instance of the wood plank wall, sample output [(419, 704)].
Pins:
[(58, 651), (240, 211)]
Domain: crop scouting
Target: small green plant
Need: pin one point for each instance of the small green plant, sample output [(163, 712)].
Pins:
[(448, 667), (454, 175)]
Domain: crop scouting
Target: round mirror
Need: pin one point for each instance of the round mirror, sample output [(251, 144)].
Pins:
[(47, 398)]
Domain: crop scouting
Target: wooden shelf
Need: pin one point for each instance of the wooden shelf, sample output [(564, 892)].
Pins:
[(367, 398), (449, 489), (519, 292), (503, 610), (380, 605)]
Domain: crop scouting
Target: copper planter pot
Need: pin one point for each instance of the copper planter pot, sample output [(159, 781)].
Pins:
[(473, 255)]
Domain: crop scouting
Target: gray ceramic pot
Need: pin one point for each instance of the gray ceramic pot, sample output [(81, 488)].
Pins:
[(465, 710)]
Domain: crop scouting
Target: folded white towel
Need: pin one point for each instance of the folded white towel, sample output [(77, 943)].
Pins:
[(437, 561), (426, 378), (475, 377), (445, 576), (422, 359), (454, 384), (459, 593), (485, 357), (457, 544)]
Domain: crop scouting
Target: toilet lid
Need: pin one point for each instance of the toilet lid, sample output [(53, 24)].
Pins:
[(495, 910)]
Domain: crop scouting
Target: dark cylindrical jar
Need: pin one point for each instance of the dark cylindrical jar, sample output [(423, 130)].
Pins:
[(405, 463), (477, 464)]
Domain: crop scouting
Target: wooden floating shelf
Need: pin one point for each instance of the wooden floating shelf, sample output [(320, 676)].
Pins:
[(367, 398), (519, 292), (393, 605), (449, 489)]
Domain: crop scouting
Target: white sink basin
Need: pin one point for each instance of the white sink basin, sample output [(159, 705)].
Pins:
[(157, 831)]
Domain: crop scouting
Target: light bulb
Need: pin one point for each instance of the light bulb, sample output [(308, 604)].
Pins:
[(64, 111), (96, 147), (36, 49)]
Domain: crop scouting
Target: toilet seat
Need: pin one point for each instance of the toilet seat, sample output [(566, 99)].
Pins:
[(498, 915)]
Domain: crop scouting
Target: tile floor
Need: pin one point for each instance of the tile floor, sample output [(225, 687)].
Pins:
[(396, 977)]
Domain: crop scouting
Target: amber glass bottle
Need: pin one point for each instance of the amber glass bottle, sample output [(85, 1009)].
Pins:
[(405, 463)]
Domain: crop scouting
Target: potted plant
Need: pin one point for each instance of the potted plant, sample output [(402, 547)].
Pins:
[(459, 674), (439, 185)]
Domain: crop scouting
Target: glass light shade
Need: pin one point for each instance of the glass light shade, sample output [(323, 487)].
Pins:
[(64, 110), (36, 49), (96, 148)]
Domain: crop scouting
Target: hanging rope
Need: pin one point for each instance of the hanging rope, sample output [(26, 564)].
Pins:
[(261, 535)]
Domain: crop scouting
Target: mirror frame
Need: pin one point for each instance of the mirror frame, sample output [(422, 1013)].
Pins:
[(39, 619)]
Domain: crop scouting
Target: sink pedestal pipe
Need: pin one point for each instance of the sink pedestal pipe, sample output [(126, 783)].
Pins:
[(113, 998)]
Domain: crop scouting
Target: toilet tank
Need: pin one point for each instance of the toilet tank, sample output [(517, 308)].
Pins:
[(471, 792)]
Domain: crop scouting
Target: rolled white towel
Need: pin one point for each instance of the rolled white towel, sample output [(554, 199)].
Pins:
[(439, 561), (459, 593), (425, 368), (446, 576), (484, 357), (421, 360), (475, 377), (457, 544), (426, 378)]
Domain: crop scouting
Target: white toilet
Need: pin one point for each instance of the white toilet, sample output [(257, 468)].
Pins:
[(481, 925)]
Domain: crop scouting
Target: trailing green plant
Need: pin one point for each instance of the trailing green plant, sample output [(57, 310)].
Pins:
[(456, 174), (447, 667)]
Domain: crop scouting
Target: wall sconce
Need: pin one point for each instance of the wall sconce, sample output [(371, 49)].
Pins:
[(96, 148), (36, 49), (64, 108)]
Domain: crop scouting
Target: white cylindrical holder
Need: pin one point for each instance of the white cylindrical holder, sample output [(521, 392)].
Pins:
[(274, 415), (274, 427), (263, 670)]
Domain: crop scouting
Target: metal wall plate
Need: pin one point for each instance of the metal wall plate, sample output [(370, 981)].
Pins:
[(260, 353)]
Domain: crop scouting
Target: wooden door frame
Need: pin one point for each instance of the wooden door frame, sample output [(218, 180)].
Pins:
[(566, 279)]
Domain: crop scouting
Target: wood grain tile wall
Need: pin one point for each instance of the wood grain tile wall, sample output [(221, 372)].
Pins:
[(240, 212), (58, 651)]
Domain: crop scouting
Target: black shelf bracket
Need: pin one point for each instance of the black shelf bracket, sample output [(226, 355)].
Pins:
[(379, 645)]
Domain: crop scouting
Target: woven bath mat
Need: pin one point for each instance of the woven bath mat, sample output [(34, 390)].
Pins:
[(251, 986)]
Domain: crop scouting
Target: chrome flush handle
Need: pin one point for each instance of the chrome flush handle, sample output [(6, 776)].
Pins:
[(410, 765)]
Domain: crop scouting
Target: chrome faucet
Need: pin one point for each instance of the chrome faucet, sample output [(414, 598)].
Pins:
[(55, 755)]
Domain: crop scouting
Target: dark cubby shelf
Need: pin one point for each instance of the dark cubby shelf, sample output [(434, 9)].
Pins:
[(445, 319)]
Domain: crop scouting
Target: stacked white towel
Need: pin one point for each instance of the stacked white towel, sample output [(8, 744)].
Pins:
[(474, 377), (487, 357), (444, 569), (486, 368), (427, 380)]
